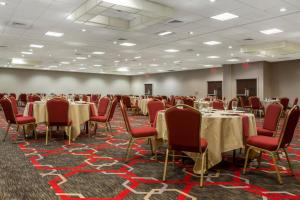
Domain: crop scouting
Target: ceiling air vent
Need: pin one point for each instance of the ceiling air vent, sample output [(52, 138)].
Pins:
[(19, 24), (175, 21), (248, 39), (190, 50), (122, 39), (3, 46)]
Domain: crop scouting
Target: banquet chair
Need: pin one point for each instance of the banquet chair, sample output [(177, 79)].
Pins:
[(15, 106), (284, 102), (33, 98), (11, 118), (126, 101), (144, 132), (295, 101), (105, 119), (272, 145), (255, 105), (230, 103), (243, 103), (272, 116), (76, 97), (217, 104), (22, 99), (184, 125), (103, 106), (58, 116), (84, 98), (153, 107), (188, 101), (13, 95)]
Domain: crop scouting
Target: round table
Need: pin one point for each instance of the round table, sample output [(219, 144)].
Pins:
[(79, 113), (222, 130), (142, 103)]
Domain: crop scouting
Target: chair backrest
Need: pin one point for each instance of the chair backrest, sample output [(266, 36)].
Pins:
[(188, 101), (272, 116), (23, 97), (14, 104), (112, 109), (58, 111), (84, 98), (126, 101), (230, 103), (207, 99), (183, 124), (254, 102), (295, 101), (94, 98), (8, 110), (33, 98), (285, 102), (103, 106), (13, 95), (219, 105), (289, 126), (153, 107), (125, 116)]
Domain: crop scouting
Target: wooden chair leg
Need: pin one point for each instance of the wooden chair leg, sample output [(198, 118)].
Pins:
[(276, 168), (129, 148), (246, 160), (24, 132), (151, 146), (165, 165), (47, 130), (70, 134), (34, 131), (202, 170), (7, 130), (288, 160)]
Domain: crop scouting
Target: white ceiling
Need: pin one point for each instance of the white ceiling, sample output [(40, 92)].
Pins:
[(41, 16)]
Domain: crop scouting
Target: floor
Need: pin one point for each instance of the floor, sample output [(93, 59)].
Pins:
[(95, 169)]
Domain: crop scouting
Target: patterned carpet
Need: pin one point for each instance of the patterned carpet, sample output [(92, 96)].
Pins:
[(95, 169)]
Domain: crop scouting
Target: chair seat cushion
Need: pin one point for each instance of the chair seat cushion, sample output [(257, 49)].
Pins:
[(264, 142), (60, 123), (265, 132), (203, 144), (99, 118), (25, 120), (19, 115), (143, 132)]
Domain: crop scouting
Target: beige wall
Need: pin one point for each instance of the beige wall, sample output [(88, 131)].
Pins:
[(286, 79), (193, 82), (30, 81)]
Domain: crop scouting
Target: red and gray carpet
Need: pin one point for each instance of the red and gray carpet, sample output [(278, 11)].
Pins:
[(95, 169)]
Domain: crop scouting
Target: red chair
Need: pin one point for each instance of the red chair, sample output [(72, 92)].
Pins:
[(153, 107), (244, 104), (84, 98), (230, 103), (188, 101), (76, 97), (295, 101), (183, 122), (105, 119), (15, 106), (95, 98), (33, 98), (58, 115), (22, 99), (126, 101), (256, 105), (272, 145), (285, 103), (272, 116), (11, 118), (103, 106), (13, 95), (219, 105), (137, 133)]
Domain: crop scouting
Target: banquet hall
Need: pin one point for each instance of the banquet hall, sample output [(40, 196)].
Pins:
[(149, 99)]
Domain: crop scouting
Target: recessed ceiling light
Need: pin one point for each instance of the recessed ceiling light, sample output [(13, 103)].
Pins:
[(248, 60), (115, 42), (154, 65), (122, 69), (164, 33), (224, 16), (213, 57), (81, 58), (18, 61), (171, 50), (127, 44), (70, 17), (212, 1), (65, 62), (197, 54), (116, 61), (83, 30), (282, 9), (26, 52), (176, 61), (37, 46), (160, 70), (184, 68), (98, 52), (212, 43), (82, 68), (271, 31), (232, 60), (2, 3), (137, 57), (229, 47), (54, 34), (97, 65), (207, 65), (191, 33)]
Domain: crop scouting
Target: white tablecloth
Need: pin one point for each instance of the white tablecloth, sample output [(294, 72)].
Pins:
[(78, 114), (142, 103), (222, 132)]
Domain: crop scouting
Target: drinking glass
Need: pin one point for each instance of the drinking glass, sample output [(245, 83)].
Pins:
[(234, 105), (225, 105)]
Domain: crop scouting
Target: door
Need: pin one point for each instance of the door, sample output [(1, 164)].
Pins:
[(148, 89), (214, 88), (246, 88)]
